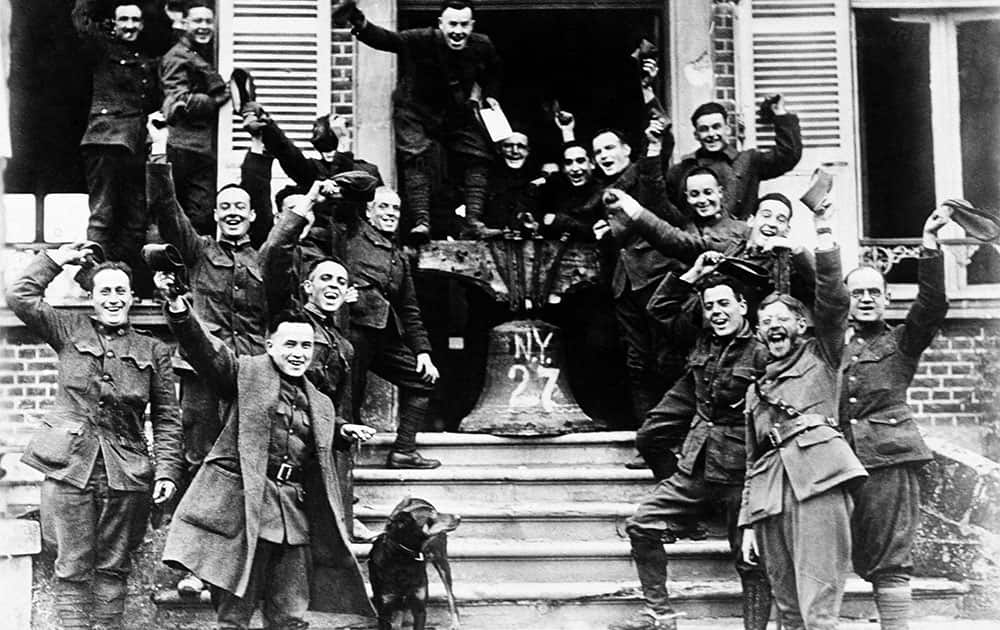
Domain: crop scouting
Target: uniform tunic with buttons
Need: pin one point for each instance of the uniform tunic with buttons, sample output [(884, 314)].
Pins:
[(283, 518), (878, 366), (107, 376)]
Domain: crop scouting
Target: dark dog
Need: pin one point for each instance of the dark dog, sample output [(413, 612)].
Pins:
[(416, 533)]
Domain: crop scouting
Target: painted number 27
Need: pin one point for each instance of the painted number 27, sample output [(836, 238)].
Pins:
[(520, 397)]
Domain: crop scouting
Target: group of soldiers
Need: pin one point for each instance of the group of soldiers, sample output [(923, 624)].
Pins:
[(801, 442)]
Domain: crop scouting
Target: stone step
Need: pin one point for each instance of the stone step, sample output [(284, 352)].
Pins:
[(469, 449), (503, 484), (476, 560), (594, 605), (580, 520)]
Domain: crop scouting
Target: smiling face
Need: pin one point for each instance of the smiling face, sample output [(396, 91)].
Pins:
[(577, 166), (723, 309), (383, 211), (457, 25), (111, 296), (712, 132), (233, 214), (515, 150), (128, 22), (869, 296), (327, 285), (200, 24), (772, 218), (704, 195), (610, 153), (780, 328), (290, 346)]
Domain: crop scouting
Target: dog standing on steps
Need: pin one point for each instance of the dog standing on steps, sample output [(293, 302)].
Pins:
[(397, 564)]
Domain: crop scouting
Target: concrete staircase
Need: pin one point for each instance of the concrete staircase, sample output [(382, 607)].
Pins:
[(542, 542), (541, 545)]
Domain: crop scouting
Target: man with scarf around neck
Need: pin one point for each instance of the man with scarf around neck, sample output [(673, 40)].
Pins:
[(99, 469), (878, 365), (740, 172), (326, 288), (796, 505), (263, 517), (125, 89), (193, 94), (702, 414)]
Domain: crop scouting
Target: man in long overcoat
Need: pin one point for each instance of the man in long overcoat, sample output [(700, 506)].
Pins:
[(264, 515)]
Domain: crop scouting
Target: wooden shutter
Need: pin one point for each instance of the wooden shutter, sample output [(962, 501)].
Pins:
[(285, 45), (803, 50)]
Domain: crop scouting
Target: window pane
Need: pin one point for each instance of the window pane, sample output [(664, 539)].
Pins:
[(979, 87), (897, 149)]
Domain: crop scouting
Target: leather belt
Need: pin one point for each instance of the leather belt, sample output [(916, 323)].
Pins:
[(284, 473), (782, 432)]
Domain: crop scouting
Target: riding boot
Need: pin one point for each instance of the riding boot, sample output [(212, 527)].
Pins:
[(73, 601), (756, 602)]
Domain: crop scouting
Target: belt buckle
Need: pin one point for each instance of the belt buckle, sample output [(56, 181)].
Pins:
[(774, 436), (284, 472)]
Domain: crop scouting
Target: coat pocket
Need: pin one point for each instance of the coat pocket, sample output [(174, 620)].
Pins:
[(53, 446), (220, 503), (892, 436)]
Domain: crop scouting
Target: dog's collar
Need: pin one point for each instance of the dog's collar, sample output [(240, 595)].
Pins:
[(415, 554)]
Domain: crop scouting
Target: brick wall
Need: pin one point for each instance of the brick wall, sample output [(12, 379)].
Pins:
[(723, 52), (943, 392), (342, 79)]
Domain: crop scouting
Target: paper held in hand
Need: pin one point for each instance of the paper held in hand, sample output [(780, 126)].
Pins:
[(495, 122), (819, 187)]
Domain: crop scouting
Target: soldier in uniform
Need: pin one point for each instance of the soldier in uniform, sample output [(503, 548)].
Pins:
[(98, 466), (263, 517), (125, 89), (193, 94), (878, 365), (703, 415), (740, 172), (445, 75), (796, 505)]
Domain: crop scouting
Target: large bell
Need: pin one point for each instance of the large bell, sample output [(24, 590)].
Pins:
[(526, 391)]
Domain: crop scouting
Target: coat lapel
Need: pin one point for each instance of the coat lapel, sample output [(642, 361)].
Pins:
[(258, 386)]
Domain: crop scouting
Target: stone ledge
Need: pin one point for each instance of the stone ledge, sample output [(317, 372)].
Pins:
[(19, 537)]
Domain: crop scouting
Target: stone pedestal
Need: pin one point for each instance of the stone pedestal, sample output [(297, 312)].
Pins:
[(19, 541), (526, 391)]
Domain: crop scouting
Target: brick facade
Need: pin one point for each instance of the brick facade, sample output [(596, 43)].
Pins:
[(944, 392), (723, 52), (342, 79)]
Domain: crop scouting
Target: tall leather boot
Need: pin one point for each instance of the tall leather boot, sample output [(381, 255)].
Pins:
[(651, 565), (756, 602), (109, 601), (893, 599), (73, 601)]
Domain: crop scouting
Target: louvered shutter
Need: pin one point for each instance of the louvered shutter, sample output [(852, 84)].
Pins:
[(802, 49), (285, 45)]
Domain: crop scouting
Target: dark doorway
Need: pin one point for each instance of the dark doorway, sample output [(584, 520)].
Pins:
[(582, 58)]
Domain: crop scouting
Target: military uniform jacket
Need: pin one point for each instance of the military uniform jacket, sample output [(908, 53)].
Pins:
[(718, 234), (433, 79), (877, 370), (126, 86), (639, 262), (226, 281), (189, 78), (798, 398), (386, 296), (216, 526), (741, 172), (106, 378)]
